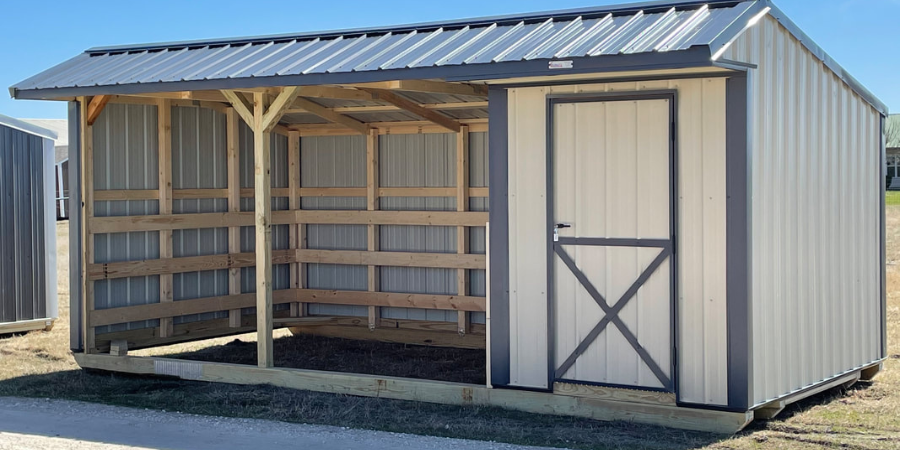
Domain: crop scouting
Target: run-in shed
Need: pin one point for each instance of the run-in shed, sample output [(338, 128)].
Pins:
[(27, 228), (659, 249)]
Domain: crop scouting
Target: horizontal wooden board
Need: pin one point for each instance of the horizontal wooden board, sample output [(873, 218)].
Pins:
[(147, 267), (120, 224), (429, 391), (151, 311), (611, 393), (423, 301), (414, 332)]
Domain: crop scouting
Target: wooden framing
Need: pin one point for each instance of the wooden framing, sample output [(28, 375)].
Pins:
[(95, 107), (462, 233), (166, 283), (262, 109), (372, 230), (427, 391)]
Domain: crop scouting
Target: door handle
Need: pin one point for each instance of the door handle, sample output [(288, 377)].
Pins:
[(556, 229)]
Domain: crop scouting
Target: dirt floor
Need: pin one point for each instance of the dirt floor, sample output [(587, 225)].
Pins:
[(39, 364)]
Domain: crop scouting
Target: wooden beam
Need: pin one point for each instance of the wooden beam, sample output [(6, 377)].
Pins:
[(87, 232), (276, 109), (331, 116), (397, 335), (233, 156), (334, 92), (121, 224), (435, 87), (125, 314), (372, 230), (463, 319), (150, 267), (706, 420), (392, 108), (166, 283), (119, 347), (96, 107), (177, 194), (263, 218), (332, 192), (240, 104), (403, 127), (415, 108)]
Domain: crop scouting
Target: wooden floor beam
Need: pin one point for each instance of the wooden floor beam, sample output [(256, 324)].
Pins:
[(425, 391)]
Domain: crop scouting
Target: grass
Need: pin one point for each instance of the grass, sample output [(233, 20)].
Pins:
[(892, 198), (39, 364)]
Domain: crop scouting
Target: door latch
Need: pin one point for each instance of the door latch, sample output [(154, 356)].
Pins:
[(556, 229)]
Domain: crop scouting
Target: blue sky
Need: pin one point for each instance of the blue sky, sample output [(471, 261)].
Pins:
[(42, 34)]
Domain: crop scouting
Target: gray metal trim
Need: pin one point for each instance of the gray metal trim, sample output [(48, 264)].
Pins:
[(829, 62), (473, 22), (552, 100), (615, 242), (677, 76), (75, 297), (498, 161), (738, 275), (883, 249), (612, 315), (698, 56)]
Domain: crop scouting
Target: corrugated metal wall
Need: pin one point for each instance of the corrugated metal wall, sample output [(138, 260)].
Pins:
[(415, 160), (24, 246), (126, 157), (701, 333), (815, 230), (199, 153)]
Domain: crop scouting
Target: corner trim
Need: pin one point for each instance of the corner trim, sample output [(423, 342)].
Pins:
[(75, 297), (738, 232), (498, 171)]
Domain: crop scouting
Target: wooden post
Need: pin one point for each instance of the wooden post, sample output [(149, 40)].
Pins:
[(462, 204), (297, 231), (164, 126), (263, 215), (234, 205), (372, 205), (87, 212)]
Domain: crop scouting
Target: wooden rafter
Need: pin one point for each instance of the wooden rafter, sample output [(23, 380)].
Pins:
[(241, 106), (415, 108), (331, 116), (435, 87), (390, 108), (276, 109), (95, 107)]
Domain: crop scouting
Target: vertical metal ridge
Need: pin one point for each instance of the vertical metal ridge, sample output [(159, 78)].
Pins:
[(597, 28), (565, 32), (360, 52), (466, 45), (433, 35), (353, 43), (699, 16), (600, 47), (259, 50), (512, 30), (305, 58), (290, 55), (283, 46), (460, 32), (386, 51), (649, 33), (539, 31)]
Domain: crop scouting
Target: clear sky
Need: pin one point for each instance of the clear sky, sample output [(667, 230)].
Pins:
[(37, 35)]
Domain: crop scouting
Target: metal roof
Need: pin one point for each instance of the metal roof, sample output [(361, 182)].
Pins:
[(316, 58), (29, 128)]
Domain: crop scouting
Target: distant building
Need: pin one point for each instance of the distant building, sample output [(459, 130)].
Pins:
[(61, 144), (892, 150)]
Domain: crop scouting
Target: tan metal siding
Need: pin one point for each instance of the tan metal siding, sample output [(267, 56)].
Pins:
[(701, 331), (815, 185)]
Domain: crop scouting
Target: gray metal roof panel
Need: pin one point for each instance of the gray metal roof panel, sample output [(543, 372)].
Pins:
[(629, 29)]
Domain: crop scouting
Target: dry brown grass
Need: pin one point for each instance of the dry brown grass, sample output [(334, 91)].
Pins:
[(39, 364)]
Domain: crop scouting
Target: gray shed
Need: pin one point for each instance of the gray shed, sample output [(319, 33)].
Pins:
[(613, 203), (28, 230)]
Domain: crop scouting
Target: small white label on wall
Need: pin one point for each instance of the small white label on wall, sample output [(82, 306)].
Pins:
[(560, 64)]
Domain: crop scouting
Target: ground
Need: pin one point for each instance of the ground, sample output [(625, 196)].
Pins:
[(867, 416)]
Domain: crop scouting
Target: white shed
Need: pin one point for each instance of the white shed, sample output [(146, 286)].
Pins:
[(685, 206)]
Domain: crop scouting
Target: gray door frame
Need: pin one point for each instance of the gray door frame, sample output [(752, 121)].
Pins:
[(668, 250)]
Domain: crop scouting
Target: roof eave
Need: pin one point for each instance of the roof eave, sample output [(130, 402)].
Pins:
[(697, 56)]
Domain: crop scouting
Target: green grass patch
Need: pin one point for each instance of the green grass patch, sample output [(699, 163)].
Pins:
[(892, 198)]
